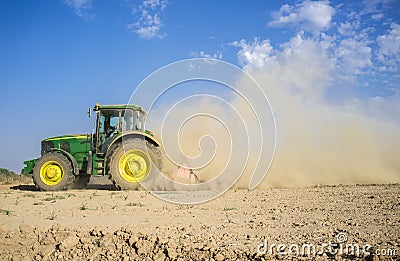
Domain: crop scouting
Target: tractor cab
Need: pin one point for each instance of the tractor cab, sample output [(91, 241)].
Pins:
[(113, 121)]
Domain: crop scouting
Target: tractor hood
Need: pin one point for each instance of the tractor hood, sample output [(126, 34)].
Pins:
[(68, 137), (79, 143)]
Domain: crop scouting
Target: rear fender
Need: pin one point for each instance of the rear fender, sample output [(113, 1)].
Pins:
[(136, 134)]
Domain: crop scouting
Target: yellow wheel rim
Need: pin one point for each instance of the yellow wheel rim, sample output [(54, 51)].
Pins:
[(134, 166), (51, 173)]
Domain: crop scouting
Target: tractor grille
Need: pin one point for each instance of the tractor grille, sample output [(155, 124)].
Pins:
[(47, 146)]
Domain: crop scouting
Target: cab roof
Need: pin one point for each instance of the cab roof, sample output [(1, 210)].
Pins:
[(118, 106)]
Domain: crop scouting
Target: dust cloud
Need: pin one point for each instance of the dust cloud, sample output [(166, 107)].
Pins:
[(319, 141)]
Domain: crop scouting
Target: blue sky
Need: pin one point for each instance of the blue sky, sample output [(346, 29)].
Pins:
[(60, 57)]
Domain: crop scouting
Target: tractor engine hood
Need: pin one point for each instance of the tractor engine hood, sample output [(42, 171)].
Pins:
[(78, 143), (67, 137)]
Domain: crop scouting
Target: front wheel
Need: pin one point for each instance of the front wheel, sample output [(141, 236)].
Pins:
[(53, 171)]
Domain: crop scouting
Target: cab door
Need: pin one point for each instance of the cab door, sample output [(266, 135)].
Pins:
[(108, 126)]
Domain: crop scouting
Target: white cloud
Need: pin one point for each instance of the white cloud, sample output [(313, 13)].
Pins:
[(377, 16), (348, 28), (335, 59), (375, 6), (80, 7), (357, 56), (155, 4), (217, 55), (389, 47), (149, 24), (353, 56), (309, 15), (302, 65), (255, 53)]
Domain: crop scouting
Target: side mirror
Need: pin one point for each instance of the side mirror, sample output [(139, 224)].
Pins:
[(89, 112)]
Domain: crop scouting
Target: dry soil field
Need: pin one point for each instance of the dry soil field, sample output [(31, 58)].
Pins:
[(317, 223)]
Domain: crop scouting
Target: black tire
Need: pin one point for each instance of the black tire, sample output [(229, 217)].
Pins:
[(52, 172), (80, 181), (155, 155), (116, 155)]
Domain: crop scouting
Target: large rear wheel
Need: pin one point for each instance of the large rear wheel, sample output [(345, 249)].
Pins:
[(129, 163), (155, 155), (53, 171)]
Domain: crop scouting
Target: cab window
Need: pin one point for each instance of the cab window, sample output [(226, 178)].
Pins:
[(108, 128), (127, 120)]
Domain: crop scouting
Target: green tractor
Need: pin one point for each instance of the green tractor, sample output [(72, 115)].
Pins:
[(120, 147)]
